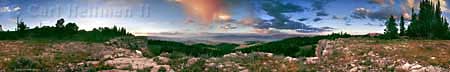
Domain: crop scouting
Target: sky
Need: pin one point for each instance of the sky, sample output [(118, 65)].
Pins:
[(202, 17)]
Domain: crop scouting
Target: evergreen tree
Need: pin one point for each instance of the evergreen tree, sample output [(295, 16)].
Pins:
[(440, 28), (412, 28), (1, 29), (425, 18), (446, 28), (71, 27), (429, 23), (21, 26), (60, 23), (402, 26), (391, 31)]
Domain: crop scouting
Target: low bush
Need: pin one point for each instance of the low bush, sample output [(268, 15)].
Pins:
[(24, 64)]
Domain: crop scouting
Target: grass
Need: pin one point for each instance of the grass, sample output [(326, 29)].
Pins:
[(48, 55), (367, 62), (99, 68), (425, 52), (24, 64)]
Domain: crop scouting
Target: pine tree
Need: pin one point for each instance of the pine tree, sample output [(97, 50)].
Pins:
[(60, 23), (439, 25), (425, 17), (1, 29), (412, 28), (21, 26), (429, 23), (391, 31), (71, 27), (446, 28), (402, 26)]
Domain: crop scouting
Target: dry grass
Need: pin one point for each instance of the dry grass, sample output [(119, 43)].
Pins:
[(382, 53), (50, 54)]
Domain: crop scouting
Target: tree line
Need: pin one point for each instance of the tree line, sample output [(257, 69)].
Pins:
[(62, 31), (427, 23), (294, 47)]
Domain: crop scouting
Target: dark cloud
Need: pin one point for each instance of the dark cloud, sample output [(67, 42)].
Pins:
[(286, 25), (317, 19), (299, 27), (320, 4), (382, 14), (346, 19), (302, 19), (276, 8), (328, 28), (315, 30), (322, 13), (279, 6)]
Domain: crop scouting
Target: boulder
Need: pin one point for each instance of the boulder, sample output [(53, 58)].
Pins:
[(133, 63)]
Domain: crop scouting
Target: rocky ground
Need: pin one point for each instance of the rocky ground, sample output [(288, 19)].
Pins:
[(374, 55), (130, 55)]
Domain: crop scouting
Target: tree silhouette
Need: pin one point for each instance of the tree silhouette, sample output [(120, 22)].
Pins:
[(391, 31), (21, 26), (402, 26), (428, 23), (1, 29), (413, 27), (60, 23), (70, 31), (71, 27)]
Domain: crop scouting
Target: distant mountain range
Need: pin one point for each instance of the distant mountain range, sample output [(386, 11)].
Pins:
[(215, 38)]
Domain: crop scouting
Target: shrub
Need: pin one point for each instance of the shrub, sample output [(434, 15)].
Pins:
[(24, 64), (196, 67), (99, 68), (306, 52)]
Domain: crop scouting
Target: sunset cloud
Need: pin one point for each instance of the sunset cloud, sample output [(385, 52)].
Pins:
[(205, 11)]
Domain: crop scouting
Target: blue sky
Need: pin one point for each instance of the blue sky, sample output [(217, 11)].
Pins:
[(170, 16)]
